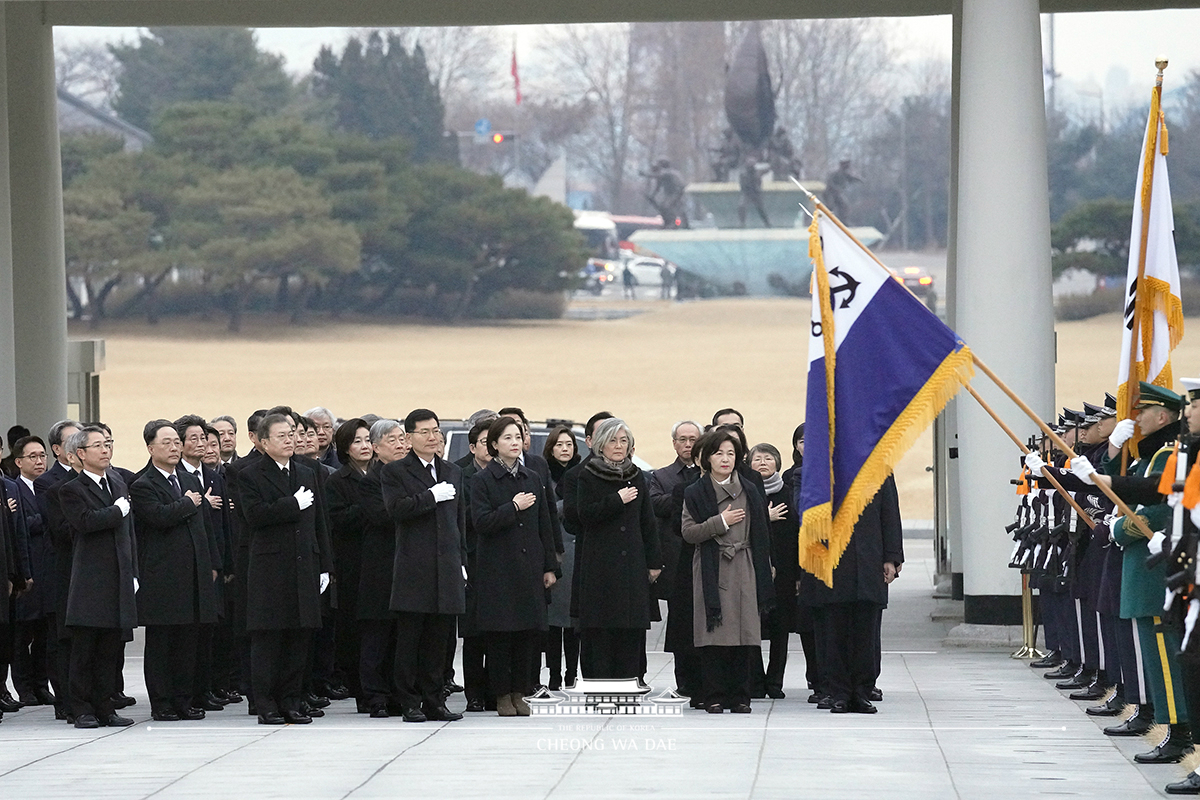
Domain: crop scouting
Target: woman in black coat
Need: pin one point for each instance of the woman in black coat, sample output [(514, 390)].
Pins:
[(344, 490), (618, 556), (514, 565), (785, 556), (562, 454)]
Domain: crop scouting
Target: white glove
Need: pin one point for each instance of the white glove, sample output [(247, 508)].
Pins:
[(1156, 542), (443, 491), (136, 586), (1195, 515), (324, 582), (1083, 469), (1122, 433), (304, 497), (1174, 499), (1034, 462), (123, 504)]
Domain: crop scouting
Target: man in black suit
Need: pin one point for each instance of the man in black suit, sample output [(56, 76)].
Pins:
[(422, 493), (177, 554), (287, 570), (241, 556), (60, 470), (35, 656), (101, 601), (226, 428)]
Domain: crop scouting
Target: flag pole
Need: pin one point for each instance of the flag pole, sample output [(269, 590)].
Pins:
[(1083, 515), (1143, 238), (1054, 437)]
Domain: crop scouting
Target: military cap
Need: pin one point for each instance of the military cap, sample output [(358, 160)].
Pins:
[(1151, 395), (1072, 417), (1091, 414), (1110, 406), (1191, 387)]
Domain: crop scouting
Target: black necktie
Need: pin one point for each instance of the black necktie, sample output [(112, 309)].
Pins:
[(104, 486), (171, 479), (433, 472)]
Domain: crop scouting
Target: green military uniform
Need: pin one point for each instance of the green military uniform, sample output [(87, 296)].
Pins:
[(1143, 588)]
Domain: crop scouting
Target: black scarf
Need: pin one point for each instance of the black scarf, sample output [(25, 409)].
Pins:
[(558, 469), (611, 471), (701, 500)]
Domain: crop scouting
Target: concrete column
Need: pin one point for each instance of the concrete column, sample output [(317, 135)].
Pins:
[(953, 510), (8, 348), (35, 180), (1004, 309)]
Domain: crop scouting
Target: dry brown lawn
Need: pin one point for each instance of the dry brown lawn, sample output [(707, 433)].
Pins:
[(677, 361)]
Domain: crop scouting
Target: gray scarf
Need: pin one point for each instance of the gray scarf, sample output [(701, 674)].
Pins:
[(773, 484)]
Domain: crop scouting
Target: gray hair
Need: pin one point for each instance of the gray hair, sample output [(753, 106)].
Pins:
[(57, 428), (320, 411), (382, 428), (770, 450), (78, 440), (483, 414), (224, 418), (606, 431), (675, 428)]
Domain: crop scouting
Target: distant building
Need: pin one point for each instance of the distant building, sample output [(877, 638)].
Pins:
[(76, 115)]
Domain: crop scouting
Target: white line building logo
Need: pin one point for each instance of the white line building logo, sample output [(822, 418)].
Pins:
[(606, 697)]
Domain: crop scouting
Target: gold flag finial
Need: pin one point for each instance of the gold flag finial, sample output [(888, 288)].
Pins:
[(1161, 63)]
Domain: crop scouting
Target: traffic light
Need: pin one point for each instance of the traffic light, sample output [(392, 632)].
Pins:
[(503, 137)]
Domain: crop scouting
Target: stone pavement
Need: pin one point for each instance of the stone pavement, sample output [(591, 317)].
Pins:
[(954, 723)]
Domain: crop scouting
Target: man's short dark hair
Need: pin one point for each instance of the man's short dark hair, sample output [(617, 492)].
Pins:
[(16, 432), (306, 422), (226, 418), (477, 430), (419, 415), (594, 420), (269, 421), (18, 448), (724, 411), (737, 431), (209, 430), (188, 421), (711, 442), (255, 418), (150, 431), (56, 437), (513, 411), (496, 430)]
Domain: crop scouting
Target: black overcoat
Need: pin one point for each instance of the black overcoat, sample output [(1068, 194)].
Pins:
[(289, 548), (514, 549), (342, 495), (785, 557), (616, 546), (103, 555), (378, 548), (41, 600), (177, 552), (427, 574)]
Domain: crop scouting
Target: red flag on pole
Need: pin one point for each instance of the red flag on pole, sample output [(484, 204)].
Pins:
[(516, 76)]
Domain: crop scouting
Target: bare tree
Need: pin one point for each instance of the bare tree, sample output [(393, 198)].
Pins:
[(88, 71)]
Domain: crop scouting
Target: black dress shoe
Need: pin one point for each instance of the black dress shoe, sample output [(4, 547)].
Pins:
[(862, 707), (1189, 785), (1051, 659), (220, 699), (205, 704), (60, 713), (233, 696), (271, 718), (442, 714), (379, 712), (1093, 692), (1170, 750), (192, 714), (715, 708), (122, 700), (839, 707), (338, 692), (1080, 680), (454, 688), (312, 712), (8, 704), (741, 708), (315, 701), (164, 716), (825, 703), (86, 721), (875, 695), (297, 717), (775, 692), (1134, 726), (1110, 708), (28, 700), (116, 721), (45, 696), (815, 697), (475, 705), (1067, 670), (413, 715)]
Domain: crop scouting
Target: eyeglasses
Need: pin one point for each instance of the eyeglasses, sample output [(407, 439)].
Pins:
[(425, 432), (34, 457), (101, 445)]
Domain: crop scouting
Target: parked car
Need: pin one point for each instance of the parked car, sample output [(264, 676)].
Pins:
[(456, 431), (920, 283)]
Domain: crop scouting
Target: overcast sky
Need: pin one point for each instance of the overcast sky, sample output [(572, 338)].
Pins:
[(1112, 52)]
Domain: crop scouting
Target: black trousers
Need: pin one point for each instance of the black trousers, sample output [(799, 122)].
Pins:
[(475, 677), (169, 663), (560, 642), (688, 680), (202, 680), (376, 660), (725, 674), (320, 672), (420, 667), (277, 664), (612, 653), (225, 667), (451, 648), (1110, 660), (95, 661), (812, 660), (347, 649), (1089, 633), (510, 656), (34, 664), (851, 642)]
